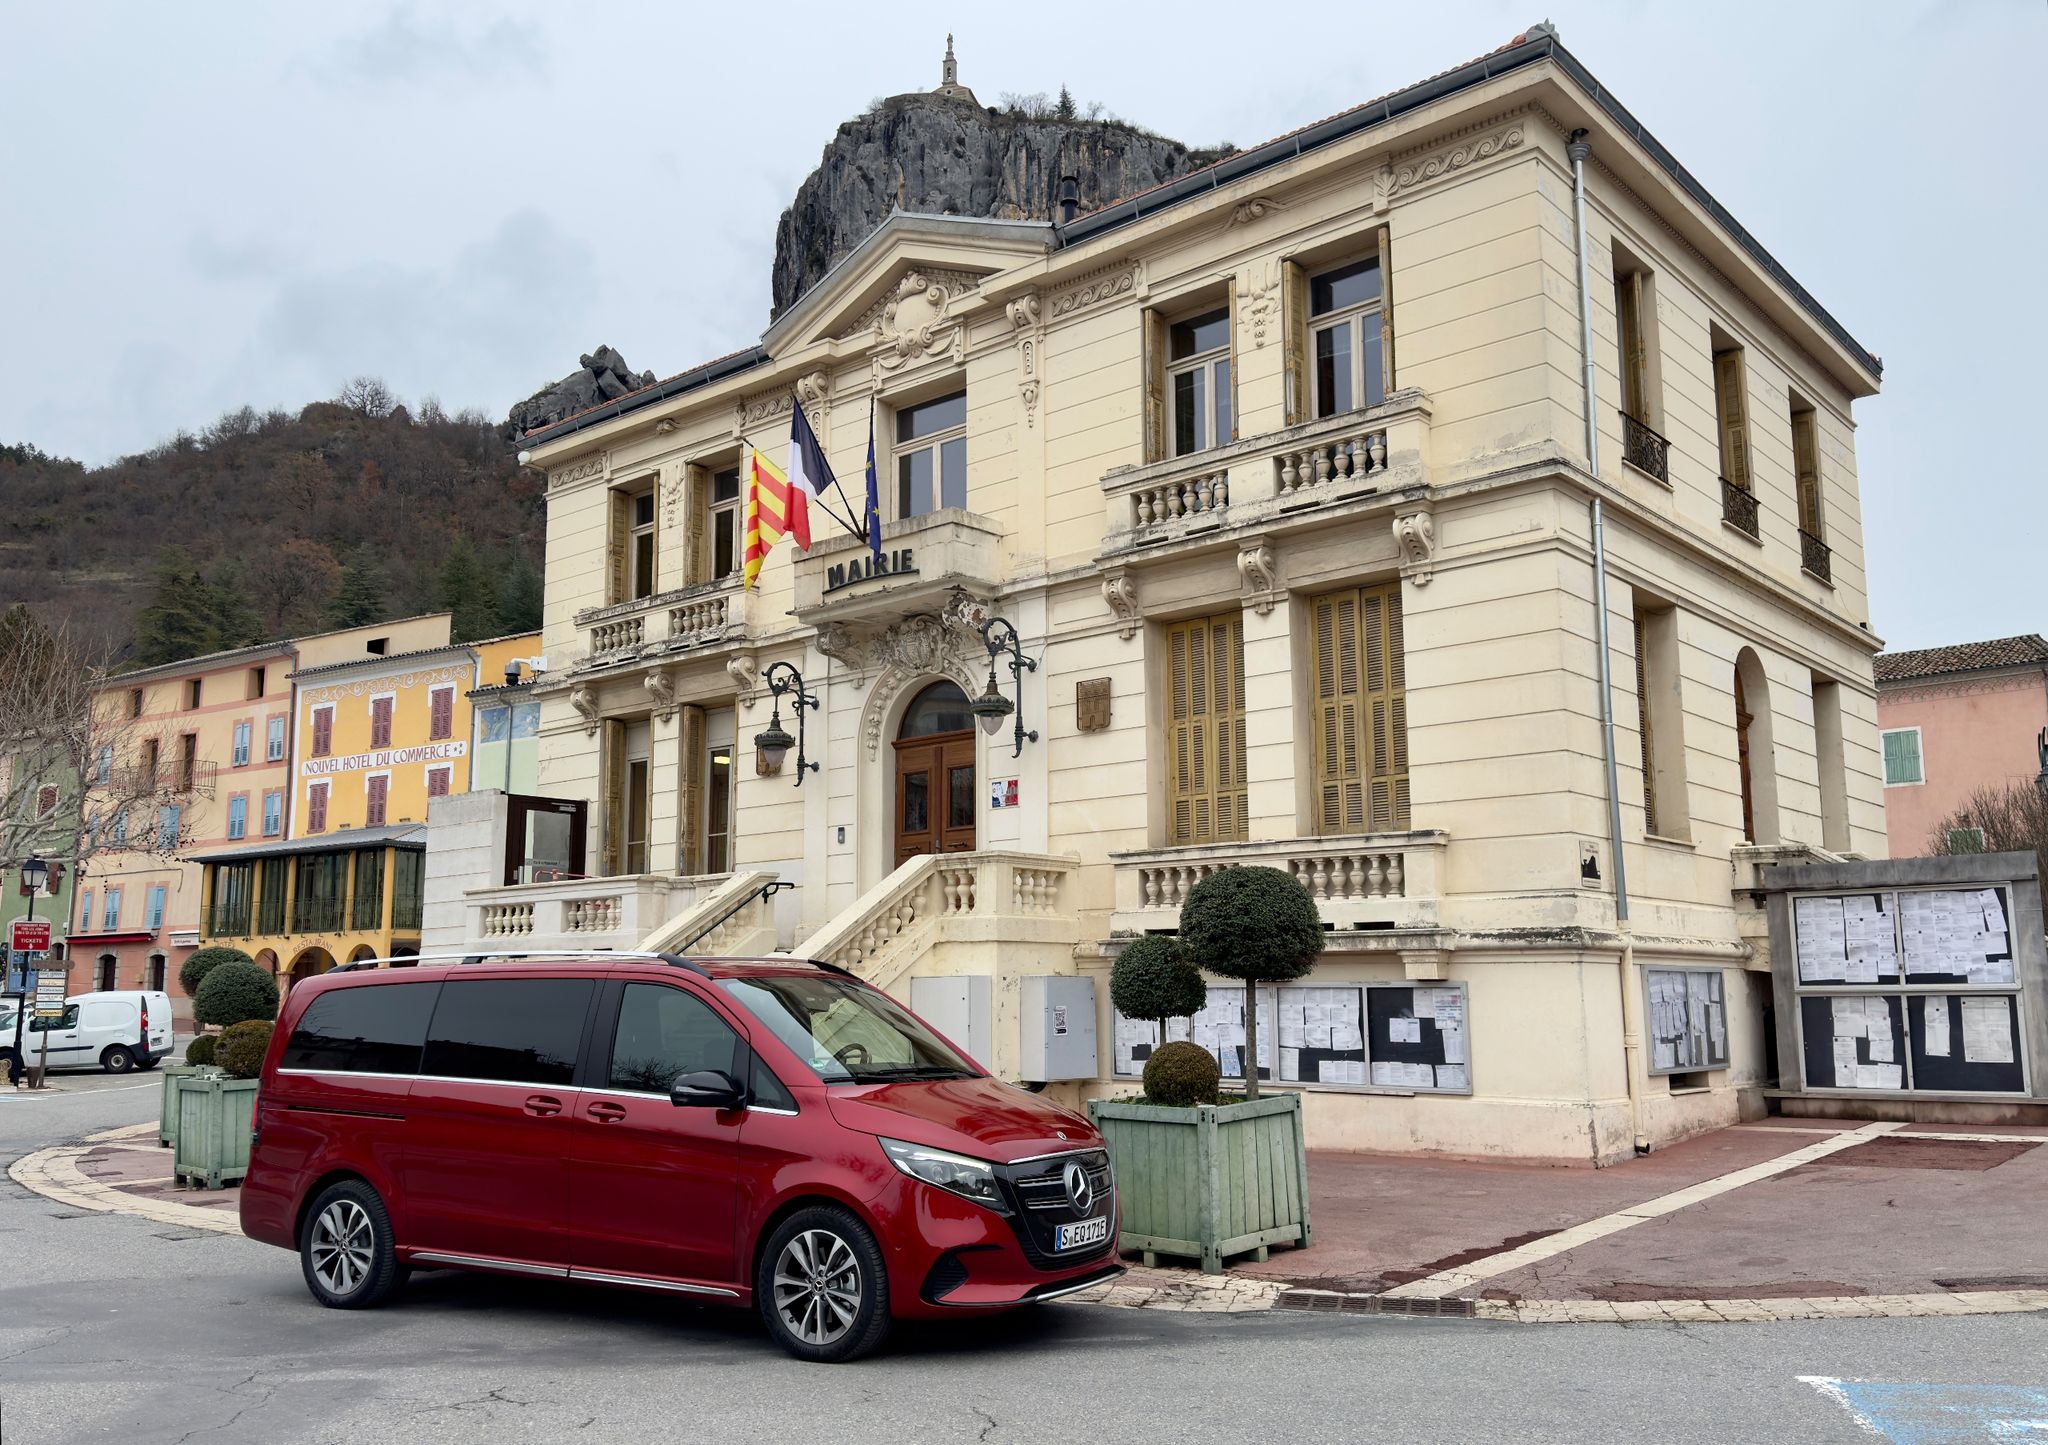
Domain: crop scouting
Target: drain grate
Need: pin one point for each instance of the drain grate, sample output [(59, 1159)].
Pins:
[(1377, 1304)]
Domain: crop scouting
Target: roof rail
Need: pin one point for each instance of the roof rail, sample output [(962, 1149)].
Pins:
[(407, 960)]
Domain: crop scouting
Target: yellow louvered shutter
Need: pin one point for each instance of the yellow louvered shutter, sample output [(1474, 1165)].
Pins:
[(697, 524), (1155, 386), (1649, 747), (1339, 778), (1806, 464), (1361, 691), (1733, 408), (1628, 320), (618, 532), (1387, 306), (613, 761), (1205, 730), (1294, 342), (1232, 363), (690, 796)]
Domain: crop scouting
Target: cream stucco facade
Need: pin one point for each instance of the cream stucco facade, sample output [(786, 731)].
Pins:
[(1477, 852)]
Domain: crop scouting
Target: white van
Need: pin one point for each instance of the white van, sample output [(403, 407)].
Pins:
[(127, 1029)]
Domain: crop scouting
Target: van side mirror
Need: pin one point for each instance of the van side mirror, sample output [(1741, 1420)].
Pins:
[(708, 1089)]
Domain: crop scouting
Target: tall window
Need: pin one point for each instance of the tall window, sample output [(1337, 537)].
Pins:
[(1205, 730), (188, 761), (627, 795), (112, 916), (323, 730), (169, 823), (1633, 345), (931, 456), (134, 702), (273, 741), (1667, 811), (257, 679), (440, 713), (380, 720), (368, 909), (153, 916), (103, 764), (408, 882), (1830, 756), (1731, 410), (273, 814), (119, 829), (724, 510), (1902, 762), (1361, 711), (377, 791), (238, 816), (1806, 468), (316, 807), (85, 911), (231, 884), (437, 781), (323, 886), (271, 875), (1198, 381), (641, 547), (1345, 336), (718, 796), (192, 693), (244, 737)]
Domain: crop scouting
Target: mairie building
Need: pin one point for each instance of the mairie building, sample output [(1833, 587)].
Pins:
[(1282, 478)]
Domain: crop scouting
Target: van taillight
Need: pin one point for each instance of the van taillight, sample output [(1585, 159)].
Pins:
[(145, 1019)]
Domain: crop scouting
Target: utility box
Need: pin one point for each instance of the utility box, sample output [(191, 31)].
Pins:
[(958, 1007), (1058, 1028)]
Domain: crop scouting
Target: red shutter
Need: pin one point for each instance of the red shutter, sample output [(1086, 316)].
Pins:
[(380, 787), (380, 722), (316, 808), (443, 724), (323, 731)]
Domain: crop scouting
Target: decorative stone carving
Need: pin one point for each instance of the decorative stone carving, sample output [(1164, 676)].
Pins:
[(913, 325), (1024, 321), (1253, 209), (1095, 288), (1120, 591), (842, 644), (583, 471), (745, 671), (754, 410), (1258, 299), (1415, 535), (661, 686), (1255, 566), (585, 702), (1441, 163), (893, 680), (672, 477)]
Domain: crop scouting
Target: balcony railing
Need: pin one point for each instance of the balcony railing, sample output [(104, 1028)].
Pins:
[(583, 912), (1738, 508), (1816, 557), (1644, 450), (1359, 452), (1370, 880), (666, 622)]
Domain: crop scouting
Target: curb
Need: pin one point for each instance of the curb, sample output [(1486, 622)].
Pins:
[(54, 1174)]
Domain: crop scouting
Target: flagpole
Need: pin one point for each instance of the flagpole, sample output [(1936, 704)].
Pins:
[(748, 442)]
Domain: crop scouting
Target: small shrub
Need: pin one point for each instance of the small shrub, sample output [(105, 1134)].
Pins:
[(235, 992), (1181, 1074), (201, 1049), (1153, 980), (193, 971), (242, 1047)]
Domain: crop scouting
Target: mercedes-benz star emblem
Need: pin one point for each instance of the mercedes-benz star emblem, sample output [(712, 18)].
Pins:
[(1079, 1192)]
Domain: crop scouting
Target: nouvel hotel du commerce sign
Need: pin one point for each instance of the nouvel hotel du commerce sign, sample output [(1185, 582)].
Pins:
[(384, 758)]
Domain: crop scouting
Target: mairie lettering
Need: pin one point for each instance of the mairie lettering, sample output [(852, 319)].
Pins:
[(899, 563)]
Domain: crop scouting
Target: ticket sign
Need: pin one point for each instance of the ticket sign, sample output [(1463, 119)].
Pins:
[(31, 937)]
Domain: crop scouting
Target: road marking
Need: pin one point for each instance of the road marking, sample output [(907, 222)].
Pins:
[(1833, 1390), (24, 1095), (1449, 1281), (1916, 1134), (1925, 1413)]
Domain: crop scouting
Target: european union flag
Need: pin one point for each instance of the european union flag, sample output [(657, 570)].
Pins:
[(874, 494)]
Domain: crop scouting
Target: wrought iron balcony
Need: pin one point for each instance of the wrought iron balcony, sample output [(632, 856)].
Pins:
[(1644, 450), (1738, 509), (1816, 557)]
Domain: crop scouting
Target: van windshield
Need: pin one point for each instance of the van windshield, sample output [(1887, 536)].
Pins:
[(848, 1034)]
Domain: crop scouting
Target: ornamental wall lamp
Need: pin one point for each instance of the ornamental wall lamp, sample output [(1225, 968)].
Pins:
[(999, 635), (776, 742)]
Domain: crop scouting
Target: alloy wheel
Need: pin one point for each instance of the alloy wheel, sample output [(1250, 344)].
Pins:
[(343, 1246), (817, 1287)]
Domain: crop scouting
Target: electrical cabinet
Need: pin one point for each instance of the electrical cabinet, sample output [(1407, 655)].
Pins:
[(1058, 1028), (959, 1008)]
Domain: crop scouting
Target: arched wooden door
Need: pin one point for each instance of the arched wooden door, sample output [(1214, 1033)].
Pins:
[(935, 774)]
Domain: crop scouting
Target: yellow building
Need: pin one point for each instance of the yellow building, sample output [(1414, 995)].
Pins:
[(301, 906), (378, 737)]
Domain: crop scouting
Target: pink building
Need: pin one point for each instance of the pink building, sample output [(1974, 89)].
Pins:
[(1955, 719)]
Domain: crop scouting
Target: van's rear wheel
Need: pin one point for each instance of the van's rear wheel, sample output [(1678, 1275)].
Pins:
[(346, 1251), (118, 1059), (822, 1287)]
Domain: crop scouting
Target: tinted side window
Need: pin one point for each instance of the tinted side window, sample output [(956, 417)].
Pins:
[(512, 1030), (767, 1089), (375, 1029), (664, 1033)]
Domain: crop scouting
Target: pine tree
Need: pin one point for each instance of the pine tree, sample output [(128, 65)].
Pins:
[(468, 589), (519, 596), (1064, 109), (230, 608), (359, 599), (178, 621)]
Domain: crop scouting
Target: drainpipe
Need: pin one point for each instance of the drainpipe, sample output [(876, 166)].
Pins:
[(1631, 998)]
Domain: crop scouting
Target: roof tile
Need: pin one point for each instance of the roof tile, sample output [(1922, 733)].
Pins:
[(2028, 649)]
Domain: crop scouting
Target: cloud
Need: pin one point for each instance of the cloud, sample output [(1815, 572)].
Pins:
[(403, 49)]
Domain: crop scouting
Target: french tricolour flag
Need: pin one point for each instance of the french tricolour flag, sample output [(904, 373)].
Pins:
[(809, 473)]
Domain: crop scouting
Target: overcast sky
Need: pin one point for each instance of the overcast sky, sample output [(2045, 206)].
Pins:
[(215, 204)]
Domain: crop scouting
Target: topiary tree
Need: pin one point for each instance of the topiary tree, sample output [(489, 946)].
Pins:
[(1153, 980), (193, 971), (201, 1049), (235, 991), (242, 1047), (1254, 924), (1181, 1074)]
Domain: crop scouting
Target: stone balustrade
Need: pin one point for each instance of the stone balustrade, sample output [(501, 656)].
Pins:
[(582, 913), (617, 635), (647, 627), (1371, 880), (1356, 453)]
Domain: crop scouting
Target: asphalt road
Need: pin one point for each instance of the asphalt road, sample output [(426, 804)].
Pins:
[(112, 1328)]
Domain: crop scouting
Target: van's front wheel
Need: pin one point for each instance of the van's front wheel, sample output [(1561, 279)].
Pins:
[(822, 1286), (346, 1251)]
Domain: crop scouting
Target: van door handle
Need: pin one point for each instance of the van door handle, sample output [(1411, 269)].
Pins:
[(606, 1112), (543, 1104)]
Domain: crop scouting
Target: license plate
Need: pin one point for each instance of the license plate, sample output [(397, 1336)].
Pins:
[(1087, 1231)]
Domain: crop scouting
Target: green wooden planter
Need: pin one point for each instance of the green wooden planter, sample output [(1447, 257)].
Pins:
[(167, 1119), (215, 1115), (1211, 1181)]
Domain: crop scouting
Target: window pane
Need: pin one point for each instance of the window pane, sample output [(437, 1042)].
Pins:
[(1222, 370), (953, 472), (1369, 353), (960, 798), (914, 483), (718, 812), (940, 708), (377, 1029), (932, 417), (725, 486), (1199, 334), (1333, 370), (721, 543), (643, 565), (643, 510), (515, 1030), (664, 1033), (1352, 285), (1188, 432), (917, 816)]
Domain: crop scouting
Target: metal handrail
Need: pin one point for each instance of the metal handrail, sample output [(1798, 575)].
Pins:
[(766, 890)]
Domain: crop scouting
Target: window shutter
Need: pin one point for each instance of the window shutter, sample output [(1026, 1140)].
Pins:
[(1806, 463), (1339, 783), (1386, 695), (690, 797), (1387, 307), (316, 809), (379, 789), (1649, 749), (1155, 387), (618, 530), (380, 722), (696, 524), (1235, 422), (1628, 305), (1205, 743), (614, 762), (323, 731), (1294, 349), (442, 709), (1734, 413)]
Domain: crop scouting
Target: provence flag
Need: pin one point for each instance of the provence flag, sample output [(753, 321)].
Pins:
[(874, 518), (773, 506)]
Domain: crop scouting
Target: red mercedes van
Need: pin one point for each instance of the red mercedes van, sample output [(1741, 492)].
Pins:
[(755, 1131)]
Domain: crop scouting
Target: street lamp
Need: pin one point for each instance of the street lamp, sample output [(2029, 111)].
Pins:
[(992, 707), (775, 741), (34, 874)]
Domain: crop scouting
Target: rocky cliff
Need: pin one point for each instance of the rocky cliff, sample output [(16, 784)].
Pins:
[(941, 154)]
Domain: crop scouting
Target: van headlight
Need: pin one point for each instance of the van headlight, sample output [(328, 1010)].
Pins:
[(969, 1178)]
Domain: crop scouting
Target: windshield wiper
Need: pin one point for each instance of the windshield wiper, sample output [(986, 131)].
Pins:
[(890, 1073)]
